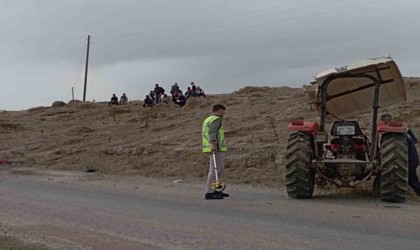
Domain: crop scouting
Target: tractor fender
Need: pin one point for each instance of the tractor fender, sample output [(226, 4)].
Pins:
[(303, 126), (307, 127), (392, 127)]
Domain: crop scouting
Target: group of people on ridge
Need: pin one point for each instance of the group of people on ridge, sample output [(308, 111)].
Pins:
[(158, 95), (114, 100)]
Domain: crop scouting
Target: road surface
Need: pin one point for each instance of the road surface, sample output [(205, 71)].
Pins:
[(70, 210)]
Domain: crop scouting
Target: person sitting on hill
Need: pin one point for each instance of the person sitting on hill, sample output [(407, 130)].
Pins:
[(188, 93), (123, 99), (152, 95), (165, 99), (114, 100), (176, 95), (148, 102), (200, 92), (181, 100), (193, 90)]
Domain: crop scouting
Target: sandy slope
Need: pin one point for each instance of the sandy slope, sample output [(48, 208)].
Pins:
[(79, 134)]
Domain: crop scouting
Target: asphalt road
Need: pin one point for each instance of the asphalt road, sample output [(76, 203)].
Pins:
[(68, 210)]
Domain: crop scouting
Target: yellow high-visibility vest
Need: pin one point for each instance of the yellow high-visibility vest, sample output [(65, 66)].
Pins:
[(206, 135)]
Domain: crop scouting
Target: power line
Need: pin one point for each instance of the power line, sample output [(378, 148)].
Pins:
[(79, 74)]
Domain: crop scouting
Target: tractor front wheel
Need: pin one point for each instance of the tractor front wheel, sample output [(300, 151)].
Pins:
[(393, 185), (300, 178)]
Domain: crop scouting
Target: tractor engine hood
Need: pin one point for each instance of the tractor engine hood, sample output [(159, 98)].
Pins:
[(349, 96)]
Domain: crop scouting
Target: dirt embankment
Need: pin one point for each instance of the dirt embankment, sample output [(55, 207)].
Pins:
[(164, 141)]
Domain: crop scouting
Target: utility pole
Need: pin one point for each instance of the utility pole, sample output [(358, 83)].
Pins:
[(86, 68), (72, 93)]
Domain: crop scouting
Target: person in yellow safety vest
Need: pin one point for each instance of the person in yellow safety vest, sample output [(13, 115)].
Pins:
[(213, 136)]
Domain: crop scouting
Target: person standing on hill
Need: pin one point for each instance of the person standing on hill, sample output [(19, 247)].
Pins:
[(159, 91), (174, 91), (213, 137)]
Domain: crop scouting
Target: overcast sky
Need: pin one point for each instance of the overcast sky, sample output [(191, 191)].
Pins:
[(222, 45)]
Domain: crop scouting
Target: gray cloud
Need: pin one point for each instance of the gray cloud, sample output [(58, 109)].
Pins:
[(222, 45)]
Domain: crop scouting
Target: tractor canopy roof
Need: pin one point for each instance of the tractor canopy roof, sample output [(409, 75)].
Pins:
[(350, 92)]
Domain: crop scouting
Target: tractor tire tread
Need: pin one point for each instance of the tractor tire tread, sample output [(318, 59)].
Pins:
[(394, 160), (300, 178)]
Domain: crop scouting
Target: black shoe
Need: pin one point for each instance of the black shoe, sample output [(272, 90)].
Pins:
[(213, 196), (221, 194)]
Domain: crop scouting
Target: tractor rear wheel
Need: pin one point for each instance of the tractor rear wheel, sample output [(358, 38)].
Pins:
[(394, 176), (300, 178)]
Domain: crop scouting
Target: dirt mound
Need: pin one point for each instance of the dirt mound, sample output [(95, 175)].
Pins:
[(74, 102), (196, 103), (58, 104), (252, 90)]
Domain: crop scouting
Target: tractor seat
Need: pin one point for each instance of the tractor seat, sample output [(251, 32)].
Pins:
[(349, 129)]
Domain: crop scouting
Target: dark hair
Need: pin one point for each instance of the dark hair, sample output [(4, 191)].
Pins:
[(386, 117), (218, 107)]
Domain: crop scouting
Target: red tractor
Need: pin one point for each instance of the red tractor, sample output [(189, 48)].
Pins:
[(344, 155)]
